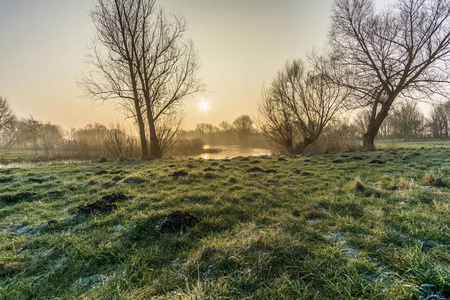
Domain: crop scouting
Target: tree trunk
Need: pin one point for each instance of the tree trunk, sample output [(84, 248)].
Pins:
[(155, 147), (375, 123), (140, 120)]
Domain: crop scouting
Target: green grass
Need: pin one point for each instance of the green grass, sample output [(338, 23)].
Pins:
[(363, 225)]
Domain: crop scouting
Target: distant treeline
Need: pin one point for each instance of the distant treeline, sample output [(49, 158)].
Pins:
[(96, 140)]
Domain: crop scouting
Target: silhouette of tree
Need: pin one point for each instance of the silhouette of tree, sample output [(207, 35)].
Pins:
[(300, 103), (144, 60)]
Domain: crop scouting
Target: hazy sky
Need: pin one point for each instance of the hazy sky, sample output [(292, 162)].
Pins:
[(241, 45)]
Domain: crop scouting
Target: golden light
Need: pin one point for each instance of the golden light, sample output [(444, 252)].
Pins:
[(204, 105)]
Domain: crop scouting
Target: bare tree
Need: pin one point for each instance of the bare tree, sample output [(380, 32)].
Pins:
[(166, 68), (407, 118), (144, 60), (6, 114), (306, 100), (113, 59), (402, 51), (119, 143), (277, 124)]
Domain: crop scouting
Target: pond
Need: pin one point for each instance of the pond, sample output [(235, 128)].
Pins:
[(222, 152)]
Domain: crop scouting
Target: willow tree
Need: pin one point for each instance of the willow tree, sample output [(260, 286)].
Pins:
[(142, 58), (401, 52)]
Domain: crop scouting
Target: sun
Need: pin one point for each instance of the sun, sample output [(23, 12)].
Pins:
[(204, 105)]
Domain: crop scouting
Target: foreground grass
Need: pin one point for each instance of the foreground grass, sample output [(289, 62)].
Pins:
[(357, 225)]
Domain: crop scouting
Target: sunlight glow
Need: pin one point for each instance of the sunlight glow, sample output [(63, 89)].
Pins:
[(204, 105)]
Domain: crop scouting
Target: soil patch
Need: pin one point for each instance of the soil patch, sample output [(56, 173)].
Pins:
[(16, 197), (104, 205), (178, 221), (356, 158), (255, 169), (177, 174), (209, 170), (6, 179), (281, 159), (377, 162), (35, 180), (101, 173)]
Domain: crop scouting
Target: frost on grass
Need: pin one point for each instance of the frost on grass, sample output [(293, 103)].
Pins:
[(348, 249)]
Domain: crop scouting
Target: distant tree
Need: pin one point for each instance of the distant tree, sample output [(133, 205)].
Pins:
[(51, 137), (304, 99), (30, 132), (243, 127), (407, 118), (10, 134), (403, 51), (118, 143), (6, 114), (225, 126), (439, 121)]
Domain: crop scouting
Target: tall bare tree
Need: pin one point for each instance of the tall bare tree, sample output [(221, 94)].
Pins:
[(144, 60), (304, 99), (402, 51), (113, 59)]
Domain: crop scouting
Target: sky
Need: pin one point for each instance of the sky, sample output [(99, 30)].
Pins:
[(241, 46)]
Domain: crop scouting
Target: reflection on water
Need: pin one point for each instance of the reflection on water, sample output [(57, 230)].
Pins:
[(222, 152)]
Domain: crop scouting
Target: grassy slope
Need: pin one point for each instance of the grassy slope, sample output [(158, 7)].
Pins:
[(323, 226)]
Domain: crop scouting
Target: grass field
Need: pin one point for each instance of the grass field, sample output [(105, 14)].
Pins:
[(368, 225)]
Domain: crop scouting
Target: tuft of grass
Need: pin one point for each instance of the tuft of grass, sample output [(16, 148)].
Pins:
[(434, 179)]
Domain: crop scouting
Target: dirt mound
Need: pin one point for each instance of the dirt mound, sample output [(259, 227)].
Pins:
[(178, 221), (177, 174), (104, 205), (255, 169), (103, 172), (13, 198), (281, 159), (209, 170), (98, 206), (338, 161), (35, 180), (115, 197)]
